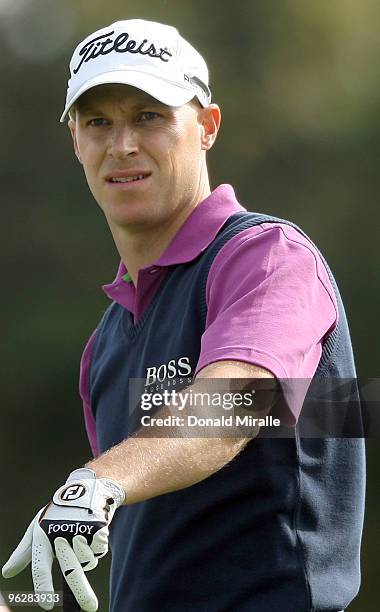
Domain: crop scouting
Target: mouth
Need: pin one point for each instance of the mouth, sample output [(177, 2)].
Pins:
[(126, 179)]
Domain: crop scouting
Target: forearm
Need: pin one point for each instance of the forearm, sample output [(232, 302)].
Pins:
[(148, 467)]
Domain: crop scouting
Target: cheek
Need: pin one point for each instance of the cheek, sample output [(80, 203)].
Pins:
[(90, 152), (91, 161), (189, 157), (184, 154), (93, 176)]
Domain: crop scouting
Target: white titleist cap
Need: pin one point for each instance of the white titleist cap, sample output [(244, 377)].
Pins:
[(148, 55)]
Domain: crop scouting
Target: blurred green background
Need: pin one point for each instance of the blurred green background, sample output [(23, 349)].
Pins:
[(299, 87)]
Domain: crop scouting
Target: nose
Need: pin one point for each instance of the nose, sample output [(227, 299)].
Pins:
[(123, 141)]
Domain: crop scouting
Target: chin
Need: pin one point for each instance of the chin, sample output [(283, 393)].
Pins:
[(130, 220)]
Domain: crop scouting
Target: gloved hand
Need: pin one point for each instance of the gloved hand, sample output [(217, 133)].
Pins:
[(74, 526)]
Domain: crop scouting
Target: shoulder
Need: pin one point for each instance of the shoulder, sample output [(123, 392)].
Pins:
[(270, 247)]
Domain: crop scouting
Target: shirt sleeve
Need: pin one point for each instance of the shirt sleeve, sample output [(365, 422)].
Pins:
[(84, 390), (270, 303)]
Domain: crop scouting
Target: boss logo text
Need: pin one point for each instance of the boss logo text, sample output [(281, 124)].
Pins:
[(174, 368)]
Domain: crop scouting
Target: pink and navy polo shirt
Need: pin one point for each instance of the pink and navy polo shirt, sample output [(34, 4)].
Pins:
[(279, 527), (274, 314)]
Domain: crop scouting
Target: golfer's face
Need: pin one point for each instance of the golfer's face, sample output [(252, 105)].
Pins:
[(142, 159)]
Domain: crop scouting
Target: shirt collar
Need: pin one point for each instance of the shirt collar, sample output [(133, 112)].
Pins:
[(201, 227), (197, 232)]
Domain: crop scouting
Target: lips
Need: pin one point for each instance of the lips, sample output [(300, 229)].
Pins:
[(130, 176), (129, 179)]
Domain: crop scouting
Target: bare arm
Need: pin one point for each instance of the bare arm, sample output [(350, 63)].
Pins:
[(150, 466)]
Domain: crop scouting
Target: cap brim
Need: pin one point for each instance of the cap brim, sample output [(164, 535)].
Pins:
[(171, 94)]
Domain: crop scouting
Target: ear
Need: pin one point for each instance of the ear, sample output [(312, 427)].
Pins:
[(210, 118), (73, 130)]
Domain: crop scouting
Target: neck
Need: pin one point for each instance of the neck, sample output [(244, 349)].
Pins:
[(139, 247)]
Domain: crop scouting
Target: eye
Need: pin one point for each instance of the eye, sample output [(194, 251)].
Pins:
[(147, 116), (97, 122)]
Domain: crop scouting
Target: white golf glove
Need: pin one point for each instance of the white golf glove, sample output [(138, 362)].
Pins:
[(74, 528)]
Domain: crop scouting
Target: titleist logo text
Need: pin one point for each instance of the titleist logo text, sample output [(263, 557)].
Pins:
[(104, 44)]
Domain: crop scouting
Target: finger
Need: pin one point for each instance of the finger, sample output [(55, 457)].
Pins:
[(99, 544), (42, 561), (22, 555), (84, 553), (74, 576)]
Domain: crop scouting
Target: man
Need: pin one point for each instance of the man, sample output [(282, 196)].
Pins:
[(205, 292)]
